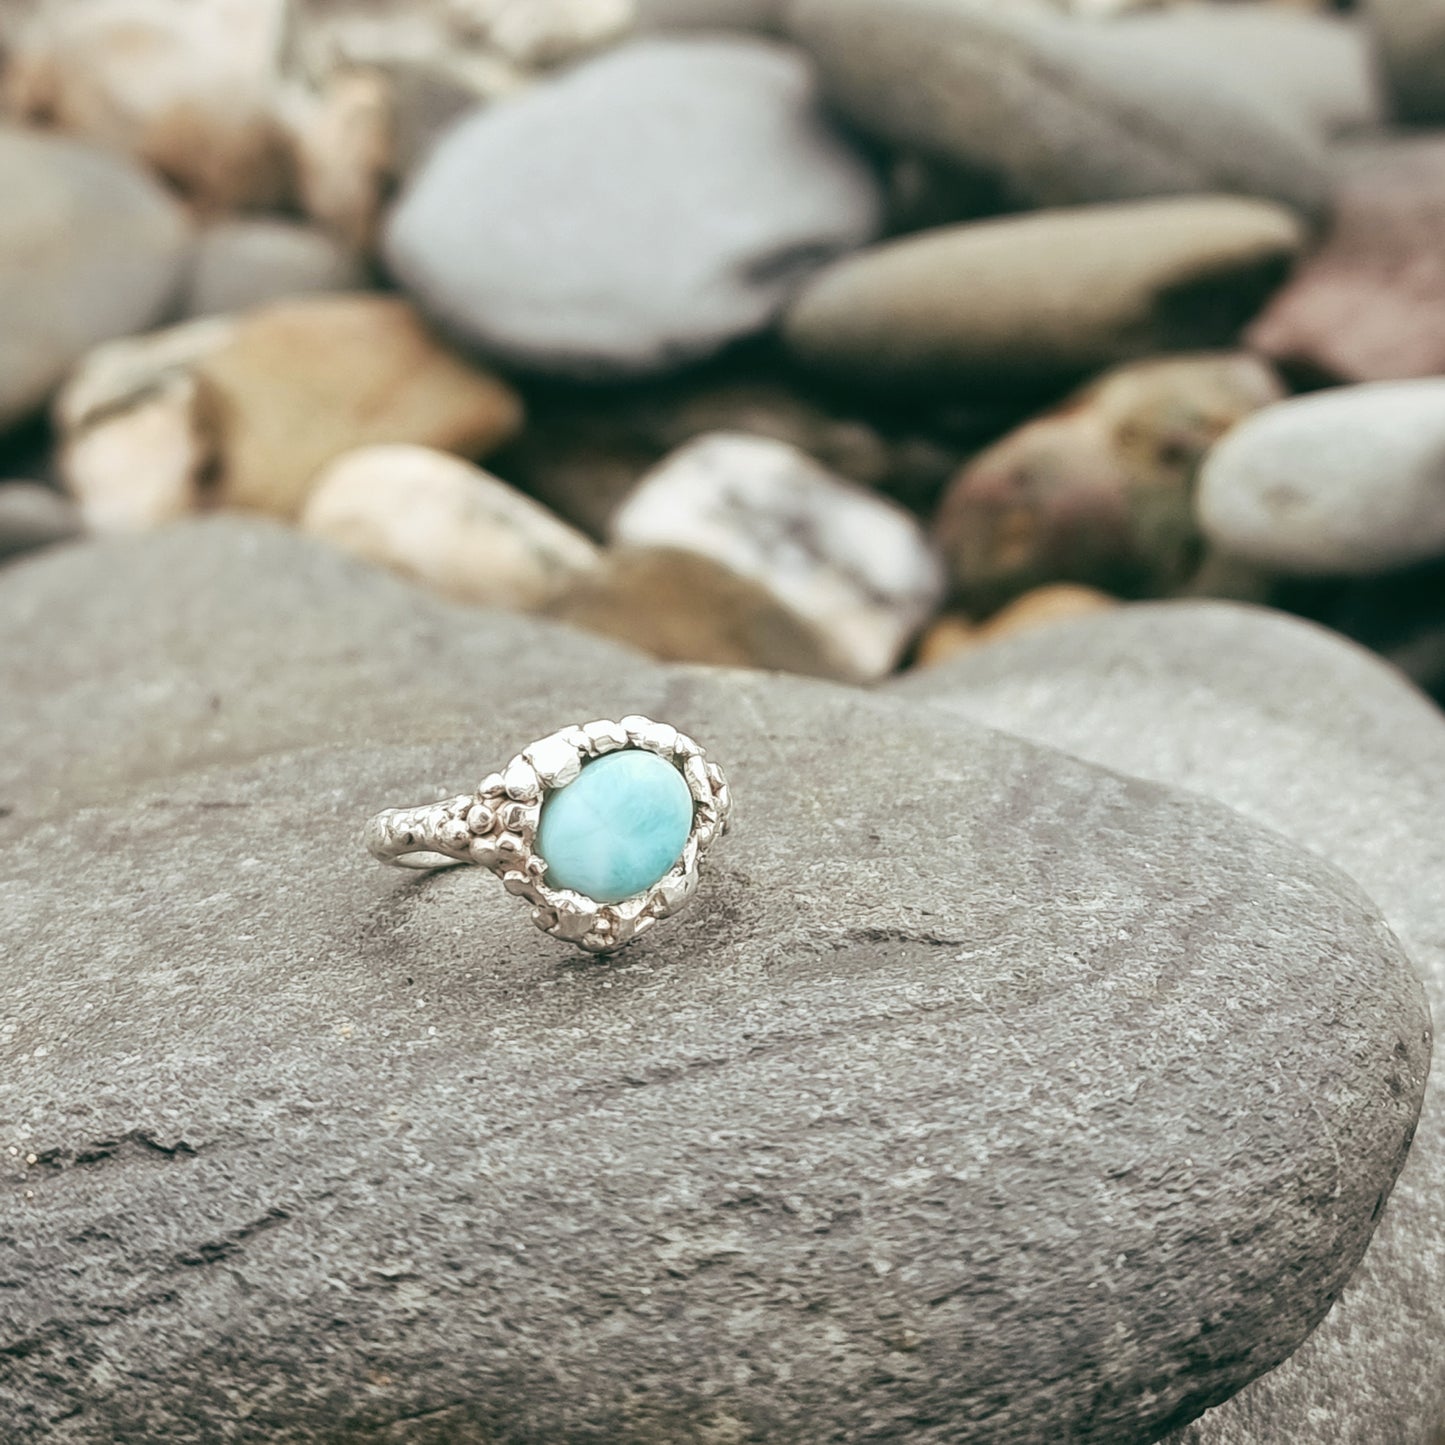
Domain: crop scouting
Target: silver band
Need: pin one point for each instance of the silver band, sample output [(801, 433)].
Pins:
[(496, 828)]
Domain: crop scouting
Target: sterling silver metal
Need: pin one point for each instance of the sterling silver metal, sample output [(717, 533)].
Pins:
[(496, 828)]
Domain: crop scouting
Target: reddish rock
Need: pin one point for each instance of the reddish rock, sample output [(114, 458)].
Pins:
[(1369, 305)]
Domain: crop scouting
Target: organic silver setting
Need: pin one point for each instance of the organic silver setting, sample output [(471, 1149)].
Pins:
[(496, 828)]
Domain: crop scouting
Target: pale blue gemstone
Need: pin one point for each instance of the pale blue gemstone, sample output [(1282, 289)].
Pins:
[(618, 828)]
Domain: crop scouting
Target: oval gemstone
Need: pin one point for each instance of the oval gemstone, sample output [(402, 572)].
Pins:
[(617, 828)]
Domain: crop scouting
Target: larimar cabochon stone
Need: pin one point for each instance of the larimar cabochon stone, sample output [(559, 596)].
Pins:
[(618, 828)]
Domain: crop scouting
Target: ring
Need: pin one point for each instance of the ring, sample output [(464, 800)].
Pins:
[(602, 827)]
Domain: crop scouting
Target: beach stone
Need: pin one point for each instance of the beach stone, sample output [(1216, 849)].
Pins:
[(1038, 301), (1320, 740), (954, 632), (90, 248), (755, 555), (343, 138), (445, 523), (243, 263), (32, 516), (1065, 110), (849, 1149), (1349, 481), (1100, 490), (761, 15), (641, 211), (187, 89), (137, 428), (538, 33), (1410, 35), (302, 381), (1369, 303)]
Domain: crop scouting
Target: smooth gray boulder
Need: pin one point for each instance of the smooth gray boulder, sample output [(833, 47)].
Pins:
[(1062, 109), (985, 1095), (1318, 738), (637, 213), (91, 248)]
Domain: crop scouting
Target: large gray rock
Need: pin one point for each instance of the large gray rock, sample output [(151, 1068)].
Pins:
[(1317, 738), (1064, 110), (639, 212), (90, 248), (985, 1095)]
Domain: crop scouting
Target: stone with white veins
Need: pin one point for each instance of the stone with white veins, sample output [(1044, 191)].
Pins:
[(1347, 482), (847, 568), (640, 211), (445, 523)]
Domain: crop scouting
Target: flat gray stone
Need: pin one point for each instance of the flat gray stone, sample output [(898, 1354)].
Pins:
[(1311, 735), (985, 1095), (90, 248), (641, 211), (1062, 109)]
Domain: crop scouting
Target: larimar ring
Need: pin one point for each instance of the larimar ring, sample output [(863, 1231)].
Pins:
[(601, 827)]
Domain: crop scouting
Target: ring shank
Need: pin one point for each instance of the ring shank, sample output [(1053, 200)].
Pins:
[(415, 837)]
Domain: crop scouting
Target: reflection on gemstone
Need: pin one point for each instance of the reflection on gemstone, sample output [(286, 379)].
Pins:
[(618, 829)]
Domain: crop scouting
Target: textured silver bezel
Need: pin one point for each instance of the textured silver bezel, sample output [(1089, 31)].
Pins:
[(496, 828)]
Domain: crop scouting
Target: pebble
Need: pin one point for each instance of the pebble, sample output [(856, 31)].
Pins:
[(32, 516), (241, 263), (90, 248), (446, 523), (137, 429), (1369, 303), (1034, 302), (886, 1006), (954, 633), (1344, 482), (187, 89), (1100, 490), (1318, 740), (740, 549), (640, 211), (1064, 110)]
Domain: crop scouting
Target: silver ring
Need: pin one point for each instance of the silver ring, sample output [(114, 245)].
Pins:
[(608, 838)]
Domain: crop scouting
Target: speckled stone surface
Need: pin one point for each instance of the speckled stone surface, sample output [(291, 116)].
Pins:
[(1314, 737), (983, 1095)]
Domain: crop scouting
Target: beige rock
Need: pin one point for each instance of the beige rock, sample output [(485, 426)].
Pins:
[(1039, 300), (302, 381), (447, 524), (954, 633), (186, 86), (344, 148), (136, 433), (244, 411), (739, 549), (537, 33), (1100, 490)]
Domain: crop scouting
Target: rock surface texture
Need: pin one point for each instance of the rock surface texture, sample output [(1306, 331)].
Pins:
[(1314, 737), (1042, 300), (985, 1095), (90, 248), (1064, 111), (1349, 481), (641, 211)]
